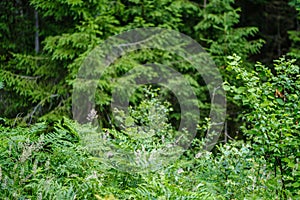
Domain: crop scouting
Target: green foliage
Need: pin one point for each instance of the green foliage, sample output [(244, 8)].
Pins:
[(15, 26), (41, 85), (272, 118), (58, 158), (216, 28), (1, 84), (54, 162), (39, 163), (146, 140), (295, 34)]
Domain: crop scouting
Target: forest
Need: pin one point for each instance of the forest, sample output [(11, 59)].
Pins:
[(149, 99)]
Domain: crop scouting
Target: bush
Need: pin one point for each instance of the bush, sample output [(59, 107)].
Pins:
[(271, 120)]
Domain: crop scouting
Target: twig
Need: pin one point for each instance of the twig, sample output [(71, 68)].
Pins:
[(19, 114), (39, 105)]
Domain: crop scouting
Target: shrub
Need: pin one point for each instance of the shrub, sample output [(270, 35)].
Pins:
[(271, 120)]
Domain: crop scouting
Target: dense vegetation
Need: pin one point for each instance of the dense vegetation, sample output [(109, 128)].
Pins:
[(46, 154)]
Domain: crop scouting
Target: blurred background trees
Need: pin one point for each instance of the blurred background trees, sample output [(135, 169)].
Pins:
[(44, 43)]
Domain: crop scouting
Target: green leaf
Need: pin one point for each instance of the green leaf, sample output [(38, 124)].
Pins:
[(226, 87), (280, 101)]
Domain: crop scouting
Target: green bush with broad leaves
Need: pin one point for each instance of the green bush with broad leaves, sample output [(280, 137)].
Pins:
[(271, 116)]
